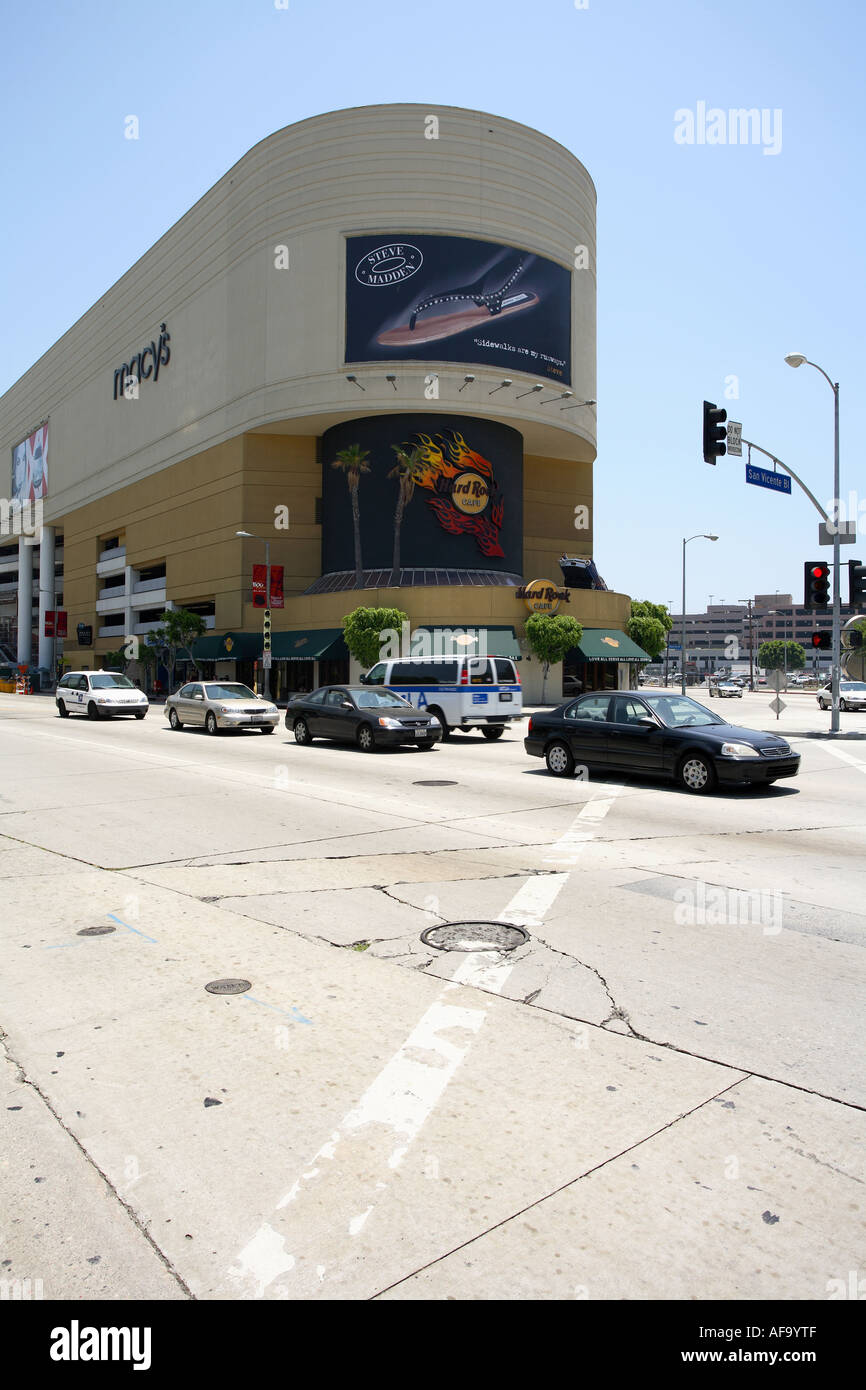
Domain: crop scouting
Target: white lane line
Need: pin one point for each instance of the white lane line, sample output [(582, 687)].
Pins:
[(846, 757), (394, 1107)]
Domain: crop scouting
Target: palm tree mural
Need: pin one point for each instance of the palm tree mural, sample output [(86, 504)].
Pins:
[(353, 462), (406, 470)]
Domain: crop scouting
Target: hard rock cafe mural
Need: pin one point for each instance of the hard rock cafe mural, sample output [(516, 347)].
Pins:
[(422, 491)]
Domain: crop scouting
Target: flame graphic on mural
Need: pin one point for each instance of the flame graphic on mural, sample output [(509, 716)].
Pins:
[(445, 458)]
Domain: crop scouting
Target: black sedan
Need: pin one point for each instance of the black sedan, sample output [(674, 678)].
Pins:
[(368, 717), (664, 735)]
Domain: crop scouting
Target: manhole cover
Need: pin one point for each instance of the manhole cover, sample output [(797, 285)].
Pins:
[(474, 936), (435, 783), (228, 986), (95, 931)]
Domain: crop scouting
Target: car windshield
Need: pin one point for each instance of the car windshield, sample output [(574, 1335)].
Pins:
[(106, 679), (679, 711), (854, 685), (378, 699), (230, 692)]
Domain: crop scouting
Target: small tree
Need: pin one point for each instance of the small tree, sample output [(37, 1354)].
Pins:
[(362, 631), (649, 626), (177, 632), (550, 636), (771, 655)]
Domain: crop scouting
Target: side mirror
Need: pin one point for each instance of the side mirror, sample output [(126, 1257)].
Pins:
[(347, 704), (647, 723), (363, 680)]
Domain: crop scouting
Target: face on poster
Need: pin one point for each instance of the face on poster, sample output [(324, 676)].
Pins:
[(30, 467), (456, 299)]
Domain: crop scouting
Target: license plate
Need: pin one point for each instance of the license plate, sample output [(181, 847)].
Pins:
[(505, 694), (257, 718)]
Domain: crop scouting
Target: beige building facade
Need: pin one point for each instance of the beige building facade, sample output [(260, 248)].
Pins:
[(191, 401)]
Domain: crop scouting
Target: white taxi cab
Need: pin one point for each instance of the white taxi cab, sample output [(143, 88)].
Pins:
[(99, 695)]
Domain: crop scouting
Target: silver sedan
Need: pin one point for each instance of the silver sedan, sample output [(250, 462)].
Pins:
[(216, 705)]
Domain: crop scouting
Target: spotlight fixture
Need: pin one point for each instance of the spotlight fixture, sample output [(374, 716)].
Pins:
[(563, 396), (390, 376), (350, 376), (578, 404), (530, 393), (467, 381), (506, 382)]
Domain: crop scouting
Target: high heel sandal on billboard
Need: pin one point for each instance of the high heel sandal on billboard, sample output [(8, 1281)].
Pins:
[(494, 304)]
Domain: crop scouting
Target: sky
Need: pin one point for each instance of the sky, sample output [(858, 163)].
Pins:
[(714, 260)]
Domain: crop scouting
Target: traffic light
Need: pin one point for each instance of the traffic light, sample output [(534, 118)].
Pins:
[(822, 641), (715, 433), (816, 584), (856, 584), (855, 639), (266, 630)]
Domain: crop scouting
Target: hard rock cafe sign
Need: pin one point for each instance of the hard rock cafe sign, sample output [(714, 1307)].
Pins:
[(542, 596)]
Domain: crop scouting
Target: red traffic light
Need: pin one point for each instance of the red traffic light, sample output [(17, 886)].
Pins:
[(816, 575), (822, 641)]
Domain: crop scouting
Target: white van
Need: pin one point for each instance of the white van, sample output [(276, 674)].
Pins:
[(464, 692)]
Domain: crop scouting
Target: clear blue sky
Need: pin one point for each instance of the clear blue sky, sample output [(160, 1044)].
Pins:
[(714, 260)]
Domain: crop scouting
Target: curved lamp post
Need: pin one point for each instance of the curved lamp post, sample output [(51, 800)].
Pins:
[(251, 535), (796, 359)]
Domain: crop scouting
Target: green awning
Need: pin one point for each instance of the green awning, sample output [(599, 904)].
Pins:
[(500, 641), (231, 646), (309, 645), (608, 644)]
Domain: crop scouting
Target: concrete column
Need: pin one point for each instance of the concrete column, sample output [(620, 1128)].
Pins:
[(46, 596), (25, 601)]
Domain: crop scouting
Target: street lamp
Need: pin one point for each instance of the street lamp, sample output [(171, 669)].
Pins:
[(796, 359), (751, 644), (266, 679), (699, 536)]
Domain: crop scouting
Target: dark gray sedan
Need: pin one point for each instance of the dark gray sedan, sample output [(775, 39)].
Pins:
[(369, 717), (663, 735)]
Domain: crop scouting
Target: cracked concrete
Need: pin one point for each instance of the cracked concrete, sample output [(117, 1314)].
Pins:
[(608, 1039)]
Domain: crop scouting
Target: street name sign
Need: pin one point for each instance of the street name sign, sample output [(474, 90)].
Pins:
[(762, 477)]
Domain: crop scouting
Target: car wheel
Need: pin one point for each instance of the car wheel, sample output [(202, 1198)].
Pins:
[(93, 711), (365, 739), (493, 731), (140, 713), (267, 728), (559, 760), (173, 719), (211, 723), (696, 773), (62, 710), (301, 732), (427, 746), (446, 728), (843, 706), (823, 704)]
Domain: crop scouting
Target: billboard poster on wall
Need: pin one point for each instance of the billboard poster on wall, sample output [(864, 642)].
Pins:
[(30, 467), (432, 492), (456, 299)]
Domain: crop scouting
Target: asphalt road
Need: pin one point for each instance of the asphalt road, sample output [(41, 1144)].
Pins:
[(660, 1094)]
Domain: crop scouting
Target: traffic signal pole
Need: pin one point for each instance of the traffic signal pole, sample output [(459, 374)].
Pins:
[(837, 576), (837, 567)]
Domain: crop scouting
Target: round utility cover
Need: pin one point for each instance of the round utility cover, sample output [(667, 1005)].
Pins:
[(228, 986), (95, 931), (434, 783), (474, 936)]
